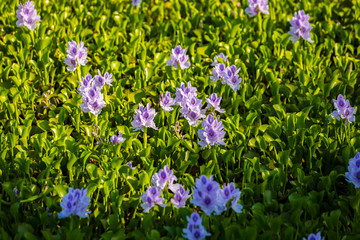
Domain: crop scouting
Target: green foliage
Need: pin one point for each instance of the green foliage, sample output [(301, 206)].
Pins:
[(283, 149)]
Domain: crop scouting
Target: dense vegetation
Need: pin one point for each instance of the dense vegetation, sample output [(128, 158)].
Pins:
[(284, 150)]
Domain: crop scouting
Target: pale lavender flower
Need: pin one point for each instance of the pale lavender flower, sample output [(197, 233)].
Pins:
[(218, 72), (164, 175), (130, 165), (205, 195), (234, 83), (75, 202), (27, 16), (117, 139), (136, 3), (180, 197), (216, 58), (85, 83), (227, 75), (343, 110), (100, 80), (193, 117), (214, 101), (300, 27), (151, 197), (93, 99), (178, 58), (183, 93), (227, 193), (256, 6), (195, 230), (16, 191), (166, 102), (76, 54), (312, 236), (211, 134), (144, 117), (353, 174)]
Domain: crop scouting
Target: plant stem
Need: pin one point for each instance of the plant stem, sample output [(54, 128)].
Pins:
[(145, 137), (217, 164)]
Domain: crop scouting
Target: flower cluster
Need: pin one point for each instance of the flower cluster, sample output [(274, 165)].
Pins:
[(214, 101), (117, 139), (256, 6), (27, 16), (178, 58), (314, 237), (300, 27), (75, 202), (191, 106), (151, 197), (195, 230), (343, 110), (228, 75), (76, 54), (353, 175), (144, 117), (166, 102), (164, 177), (90, 90), (212, 132), (211, 198)]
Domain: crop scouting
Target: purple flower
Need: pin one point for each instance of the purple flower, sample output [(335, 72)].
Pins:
[(353, 174), (343, 110), (165, 175), (180, 197), (234, 83), (136, 3), (93, 99), (195, 230), (227, 193), (27, 16), (75, 202), (212, 132), (205, 195), (178, 58), (76, 54), (256, 6), (300, 27), (216, 58), (166, 102), (16, 191), (151, 197), (144, 117), (193, 117), (183, 93), (100, 81), (314, 237), (130, 165), (117, 139), (214, 101)]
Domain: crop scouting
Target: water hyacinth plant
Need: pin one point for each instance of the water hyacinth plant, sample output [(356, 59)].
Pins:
[(343, 110), (312, 236), (300, 27), (75, 202), (27, 16)]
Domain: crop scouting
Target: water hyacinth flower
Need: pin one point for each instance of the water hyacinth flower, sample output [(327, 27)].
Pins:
[(212, 132), (27, 16), (75, 202), (343, 110), (144, 117), (136, 3), (178, 58), (256, 6), (166, 102), (117, 139), (205, 195), (214, 101), (300, 27), (165, 175), (353, 174), (180, 197), (312, 236), (100, 81), (183, 93), (76, 54), (195, 230), (151, 197), (227, 193), (93, 99), (130, 165)]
